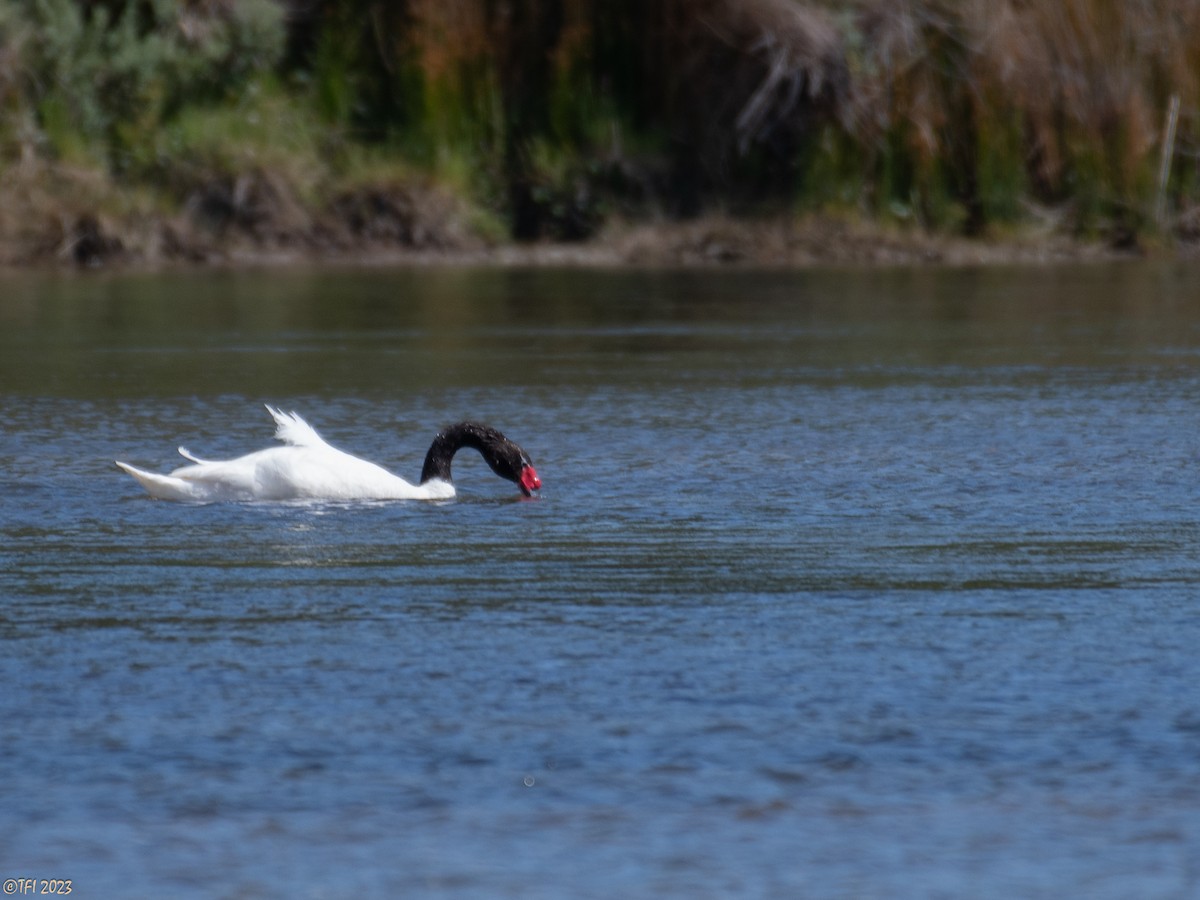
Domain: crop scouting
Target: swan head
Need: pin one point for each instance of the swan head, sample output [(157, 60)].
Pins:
[(509, 461)]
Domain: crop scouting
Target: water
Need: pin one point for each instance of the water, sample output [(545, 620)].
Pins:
[(842, 584)]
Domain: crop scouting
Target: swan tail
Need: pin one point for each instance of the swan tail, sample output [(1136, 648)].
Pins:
[(161, 487), (293, 430)]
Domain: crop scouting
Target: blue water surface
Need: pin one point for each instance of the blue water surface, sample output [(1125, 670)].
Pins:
[(841, 584)]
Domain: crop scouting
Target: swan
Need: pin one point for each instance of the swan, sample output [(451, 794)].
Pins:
[(307, 468)]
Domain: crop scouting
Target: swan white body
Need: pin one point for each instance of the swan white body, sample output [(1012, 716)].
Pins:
[(305, 468)]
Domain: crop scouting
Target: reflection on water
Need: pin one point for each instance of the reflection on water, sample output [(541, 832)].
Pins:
[(842, 583)]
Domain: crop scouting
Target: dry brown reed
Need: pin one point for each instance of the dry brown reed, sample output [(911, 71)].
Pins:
[(1068, 98), (748, 79)]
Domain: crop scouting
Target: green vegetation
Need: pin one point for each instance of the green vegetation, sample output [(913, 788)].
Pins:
[(282, 122)]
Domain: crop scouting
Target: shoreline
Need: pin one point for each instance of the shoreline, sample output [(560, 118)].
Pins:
[(711, 241), (63, 218)]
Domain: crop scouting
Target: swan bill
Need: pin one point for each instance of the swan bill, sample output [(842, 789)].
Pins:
[(528, 481)]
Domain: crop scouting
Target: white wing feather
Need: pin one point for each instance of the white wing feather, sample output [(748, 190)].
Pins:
[(294, 431), (189, 455)]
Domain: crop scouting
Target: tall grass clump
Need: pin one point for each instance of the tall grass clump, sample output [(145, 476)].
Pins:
[(750, 88), (957, 115), (1094, 80), (968, 112), (507, 89), (555, 112)]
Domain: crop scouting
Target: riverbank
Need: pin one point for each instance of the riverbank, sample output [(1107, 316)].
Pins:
[(694, 132), (710, 241), (61, 217)]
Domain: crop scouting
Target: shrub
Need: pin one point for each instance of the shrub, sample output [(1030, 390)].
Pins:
[(103, 77)]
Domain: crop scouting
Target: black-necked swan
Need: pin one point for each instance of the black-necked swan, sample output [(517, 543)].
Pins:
[(307, 468)]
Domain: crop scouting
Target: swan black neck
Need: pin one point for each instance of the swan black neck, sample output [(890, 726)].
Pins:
[(450, 440), (504, 457)]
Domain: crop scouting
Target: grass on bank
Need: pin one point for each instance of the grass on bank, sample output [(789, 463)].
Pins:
[(266, 121)]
